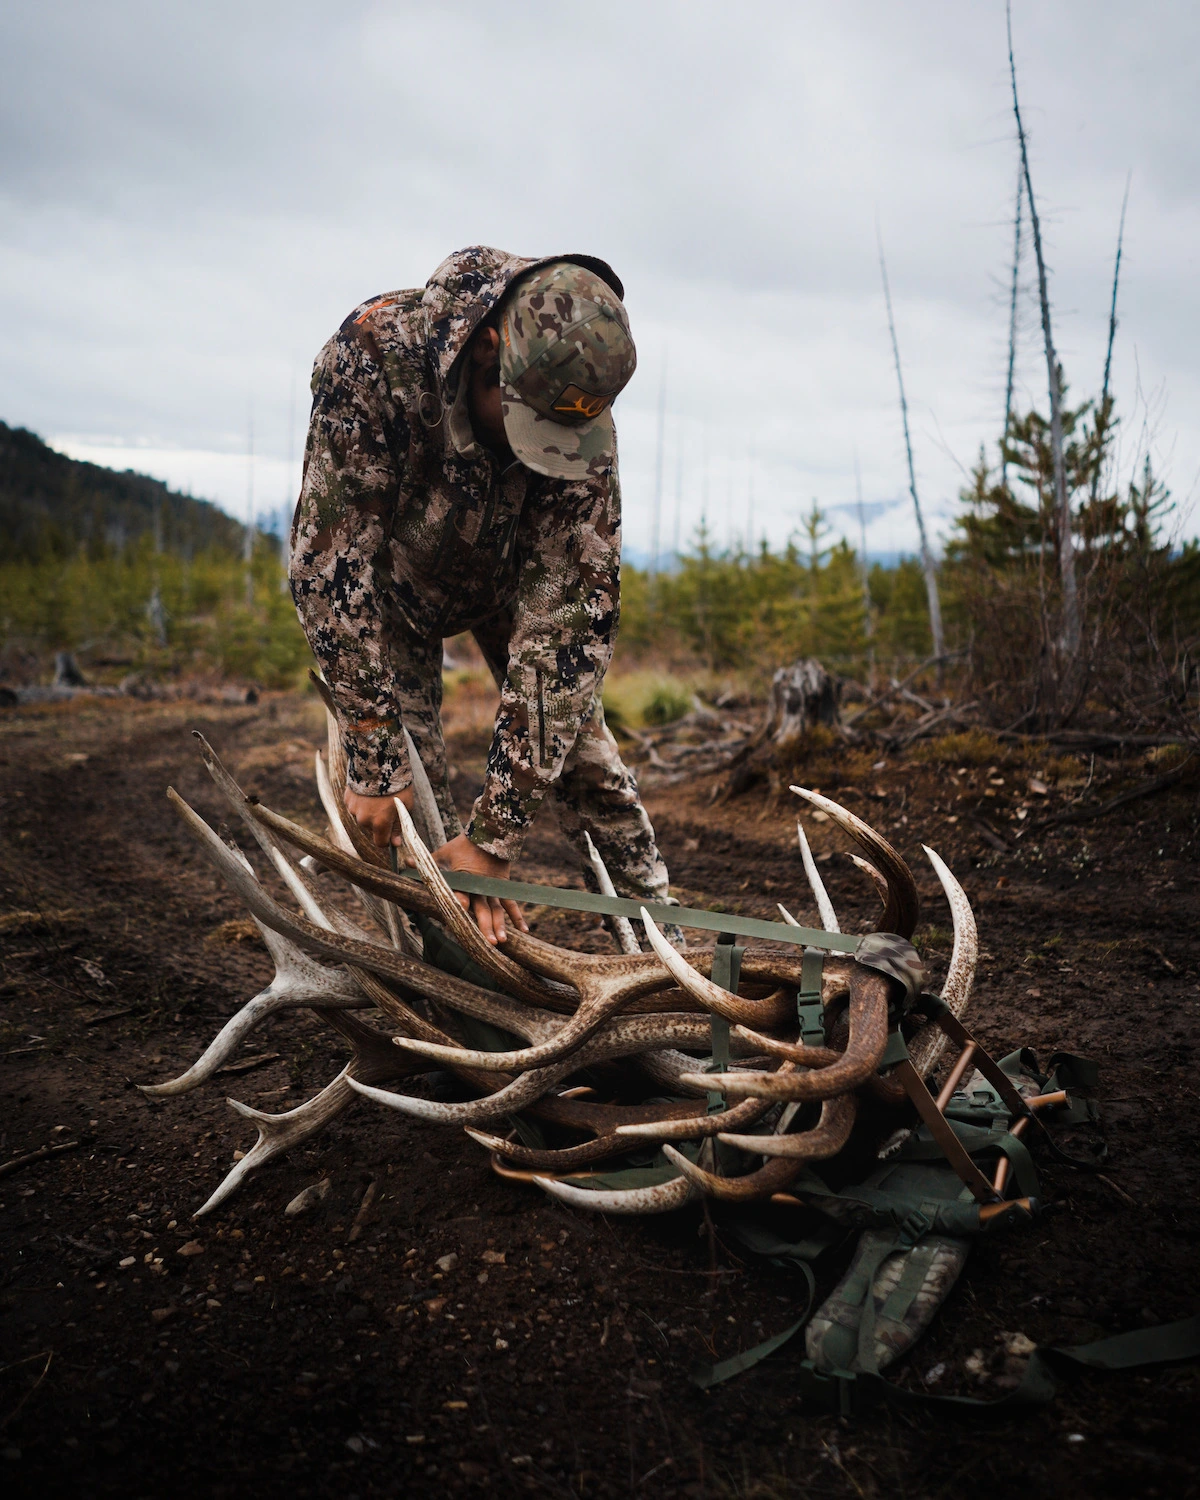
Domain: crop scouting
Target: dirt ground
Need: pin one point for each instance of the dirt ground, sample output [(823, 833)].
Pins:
[(250, 1353)]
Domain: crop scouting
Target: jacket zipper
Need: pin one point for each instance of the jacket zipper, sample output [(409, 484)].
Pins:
[(541, 712)]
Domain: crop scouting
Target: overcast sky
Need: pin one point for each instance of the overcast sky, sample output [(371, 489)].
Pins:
[(194, 195)]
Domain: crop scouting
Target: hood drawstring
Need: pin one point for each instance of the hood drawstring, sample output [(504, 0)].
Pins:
[(431, 403)]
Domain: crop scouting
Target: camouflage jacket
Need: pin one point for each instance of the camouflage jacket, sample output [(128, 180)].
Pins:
[(406, 525)]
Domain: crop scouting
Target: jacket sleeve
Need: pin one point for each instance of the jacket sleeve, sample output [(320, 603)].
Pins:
[(564, 630), (357, 441)]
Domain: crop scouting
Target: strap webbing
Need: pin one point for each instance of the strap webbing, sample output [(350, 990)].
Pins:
[(808, 1002), (726, 972), (618, 906), (709, 1375), (795, 1256), (848, 1393)]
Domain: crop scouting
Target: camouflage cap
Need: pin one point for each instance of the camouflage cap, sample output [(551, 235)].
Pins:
[(566, 353)]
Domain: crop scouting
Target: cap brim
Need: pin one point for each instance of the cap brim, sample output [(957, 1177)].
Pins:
[(560, 450)]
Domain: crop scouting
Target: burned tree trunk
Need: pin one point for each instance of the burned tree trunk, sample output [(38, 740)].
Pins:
[(1072, 626), (802, 695), (66, 671)]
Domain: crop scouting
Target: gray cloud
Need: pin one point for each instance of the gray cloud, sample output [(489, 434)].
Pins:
[(194, 196)]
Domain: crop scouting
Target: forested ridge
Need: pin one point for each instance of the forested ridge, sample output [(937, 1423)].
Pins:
[(53, 506)]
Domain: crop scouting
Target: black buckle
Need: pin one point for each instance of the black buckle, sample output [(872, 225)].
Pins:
[(917, 1224)]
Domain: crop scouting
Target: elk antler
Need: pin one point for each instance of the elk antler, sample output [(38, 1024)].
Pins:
[(776, 1010), (829, 921), (622, 927), (460, 926), (748, 1112), (929, 1043), (298, 981), (868, 1037), (659, 1199), (623, 1037), (826, 1139), (903, 908), (374, 1059)]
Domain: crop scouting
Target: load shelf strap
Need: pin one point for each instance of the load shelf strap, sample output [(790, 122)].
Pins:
[(808, 1001), (726, 972), (660, 911)]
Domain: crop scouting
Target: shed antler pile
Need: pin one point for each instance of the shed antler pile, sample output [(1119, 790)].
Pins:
[(650, 1013)]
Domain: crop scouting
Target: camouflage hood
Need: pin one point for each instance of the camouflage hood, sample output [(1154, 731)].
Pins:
[(470, 283)]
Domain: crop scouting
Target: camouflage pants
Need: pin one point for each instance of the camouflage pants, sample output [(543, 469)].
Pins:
[(596, 792)]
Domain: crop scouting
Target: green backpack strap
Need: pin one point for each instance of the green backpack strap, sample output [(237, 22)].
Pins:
[(726, 972), (796, 1255), (1143, 1348)]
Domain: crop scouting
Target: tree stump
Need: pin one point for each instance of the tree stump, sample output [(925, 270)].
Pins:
[(66, 671), (802, 695)]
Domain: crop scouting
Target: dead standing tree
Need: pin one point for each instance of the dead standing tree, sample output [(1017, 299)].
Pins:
[(1012, 330), (927, 565), (1104, 413), (1070, 634)]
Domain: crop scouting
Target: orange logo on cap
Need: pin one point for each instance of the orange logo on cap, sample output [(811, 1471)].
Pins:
[(579, 403)]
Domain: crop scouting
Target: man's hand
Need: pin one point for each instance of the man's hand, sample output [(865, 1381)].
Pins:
[(488, 911), (376, 816)]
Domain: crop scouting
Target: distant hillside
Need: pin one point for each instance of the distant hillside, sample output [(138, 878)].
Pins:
[(50, 506)]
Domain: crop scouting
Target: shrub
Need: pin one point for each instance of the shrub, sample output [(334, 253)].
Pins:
[(635, 699)]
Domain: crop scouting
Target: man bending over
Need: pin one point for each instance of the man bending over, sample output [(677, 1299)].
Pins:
[(461, 474)]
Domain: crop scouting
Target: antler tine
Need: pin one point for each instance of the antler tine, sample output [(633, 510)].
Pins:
[(333, 737), (299, 887), (331, 771), (696, 1128), (509, 975), (869, 869), (601, 997), (343, 860), (332, 794), (373, 957), (903, 908), (528, 1021), (553, 1161), (374, 1058), (795, 1052), (622, 926), (384, 914), (660, 1199), (279, 1133), (829, 921), (298, 981), (826, 1139), (426, 813), (770, 1178), (348, 835), (511, 1097), (345, 832), (626, 1036), (929, 1043), (868, 1037), (711, 996), (667, 1068)]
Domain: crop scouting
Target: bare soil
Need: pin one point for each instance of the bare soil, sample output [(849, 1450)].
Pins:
[(288, 1356)]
